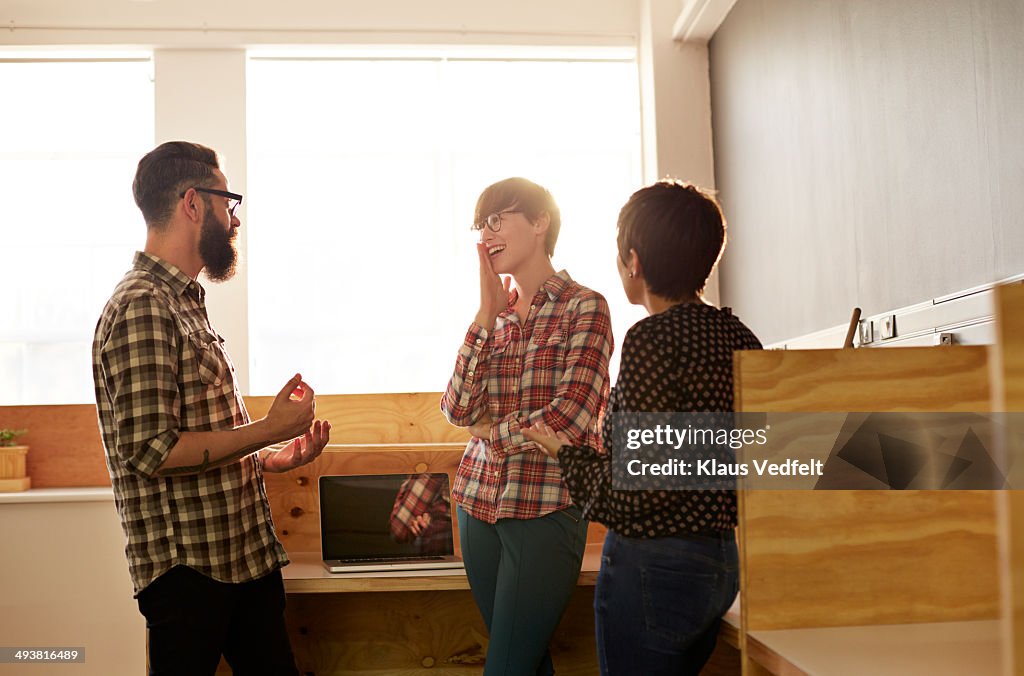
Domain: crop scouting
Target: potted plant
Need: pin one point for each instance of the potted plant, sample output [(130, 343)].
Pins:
[(12, 462)]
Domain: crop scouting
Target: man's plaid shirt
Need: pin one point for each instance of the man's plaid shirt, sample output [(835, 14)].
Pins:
[(553, 368), (160, 369)]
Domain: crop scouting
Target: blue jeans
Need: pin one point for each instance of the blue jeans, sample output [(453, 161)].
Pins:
[(659, 602), (522, 573)]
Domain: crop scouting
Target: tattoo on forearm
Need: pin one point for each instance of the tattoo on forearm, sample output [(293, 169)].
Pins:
[(206, 464)]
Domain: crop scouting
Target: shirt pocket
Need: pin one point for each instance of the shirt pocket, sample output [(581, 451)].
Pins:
[(548, 351), (209, 356), (501, 342)]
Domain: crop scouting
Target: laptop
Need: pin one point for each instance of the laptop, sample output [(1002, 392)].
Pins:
[(386, 522)]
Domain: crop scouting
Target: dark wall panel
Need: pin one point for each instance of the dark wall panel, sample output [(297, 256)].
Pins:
[(867, 153)]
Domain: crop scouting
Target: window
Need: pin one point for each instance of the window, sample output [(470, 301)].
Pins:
[(362, 178), (71, 132)]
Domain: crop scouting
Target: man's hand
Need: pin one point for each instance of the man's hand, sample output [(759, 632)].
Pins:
[(301, 451), (291, 415), (493, 291), (549, 441)]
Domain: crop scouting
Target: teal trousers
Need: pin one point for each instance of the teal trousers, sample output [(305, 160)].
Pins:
[(522, 573)]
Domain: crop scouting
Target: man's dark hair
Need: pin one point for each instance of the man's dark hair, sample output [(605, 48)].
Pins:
[(165, 172), (525, 196), (678, 232)]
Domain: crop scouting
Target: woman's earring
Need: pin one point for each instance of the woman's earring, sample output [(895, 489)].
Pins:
[(632, 274)]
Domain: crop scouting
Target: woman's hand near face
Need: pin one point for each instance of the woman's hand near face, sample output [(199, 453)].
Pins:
[(493, 291)]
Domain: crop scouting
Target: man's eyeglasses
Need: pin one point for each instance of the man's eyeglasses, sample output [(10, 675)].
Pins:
[(234, 199), (493, 222)]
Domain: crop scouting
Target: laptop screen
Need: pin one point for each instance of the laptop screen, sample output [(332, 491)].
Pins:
[(385, 516)]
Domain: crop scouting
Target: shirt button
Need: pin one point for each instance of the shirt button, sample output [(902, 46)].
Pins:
[(478, 341), (470, 373), (533, 307)]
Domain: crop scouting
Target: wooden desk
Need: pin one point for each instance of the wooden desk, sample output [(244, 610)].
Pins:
[(306, 575), (932, 649), (413, 622)]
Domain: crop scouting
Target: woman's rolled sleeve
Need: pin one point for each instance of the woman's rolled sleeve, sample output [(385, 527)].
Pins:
[(465, 399)]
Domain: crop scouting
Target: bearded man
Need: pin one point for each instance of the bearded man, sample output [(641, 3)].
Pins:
[(185, 461)]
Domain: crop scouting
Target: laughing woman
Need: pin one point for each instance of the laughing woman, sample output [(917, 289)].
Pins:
[(535, 354), (669, 567)]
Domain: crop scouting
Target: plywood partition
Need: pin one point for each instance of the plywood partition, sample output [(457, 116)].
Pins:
[(293, 496), (905, 379), (1008, 395), (370, 434), (65, 450), (379, 418), (836, 558)]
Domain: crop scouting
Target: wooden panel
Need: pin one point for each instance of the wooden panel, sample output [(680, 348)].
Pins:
[(418, 632), (1008, 395), (834, 558), (899, 379), (64, 444), (1009, 374), (66, 449), (1012, 568), (378, 418), (293, 497)]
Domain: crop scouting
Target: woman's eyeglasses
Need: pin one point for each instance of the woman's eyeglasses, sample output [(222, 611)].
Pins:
[(493, 222)]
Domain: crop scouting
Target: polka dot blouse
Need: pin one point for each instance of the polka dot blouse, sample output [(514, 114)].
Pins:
[(679, 360)]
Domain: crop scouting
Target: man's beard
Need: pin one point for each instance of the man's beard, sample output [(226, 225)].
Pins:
[(217, 249)]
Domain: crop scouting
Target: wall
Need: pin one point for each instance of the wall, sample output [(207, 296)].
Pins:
[(65, 582), (676, 103), (868, 153)]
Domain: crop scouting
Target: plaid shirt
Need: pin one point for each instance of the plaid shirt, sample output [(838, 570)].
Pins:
[(552, 368), (160, 369)]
